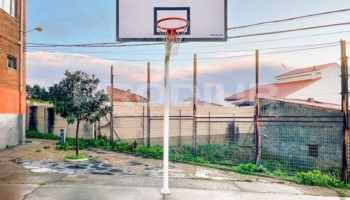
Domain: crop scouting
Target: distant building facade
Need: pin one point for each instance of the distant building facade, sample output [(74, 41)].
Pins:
[(189, 101), (12, 89), (318, 83)]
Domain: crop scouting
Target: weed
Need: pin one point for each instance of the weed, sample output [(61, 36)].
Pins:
[(42, 183), (64, 147), (38, 151), (340, 193), (46, 147)]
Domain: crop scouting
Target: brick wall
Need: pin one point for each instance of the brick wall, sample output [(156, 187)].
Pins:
[(12, 101), (9, 44)]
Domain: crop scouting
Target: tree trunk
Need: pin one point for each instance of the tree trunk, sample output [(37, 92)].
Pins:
[(77, 139)]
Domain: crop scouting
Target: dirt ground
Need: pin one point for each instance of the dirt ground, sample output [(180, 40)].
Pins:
[(39, 153)]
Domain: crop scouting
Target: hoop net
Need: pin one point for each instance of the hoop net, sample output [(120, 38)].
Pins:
[(173, 29)]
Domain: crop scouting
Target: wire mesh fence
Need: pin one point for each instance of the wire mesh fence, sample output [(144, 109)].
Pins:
[(299, 117), (300, 114)]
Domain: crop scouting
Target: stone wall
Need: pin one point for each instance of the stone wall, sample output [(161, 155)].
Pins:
[(303, 136)]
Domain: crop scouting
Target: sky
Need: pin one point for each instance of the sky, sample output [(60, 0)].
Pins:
[(224, 68)]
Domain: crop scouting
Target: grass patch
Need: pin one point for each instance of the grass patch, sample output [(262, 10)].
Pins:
[(38, 101), (47, 147), (42, 183), (76, 157), (38, 151)]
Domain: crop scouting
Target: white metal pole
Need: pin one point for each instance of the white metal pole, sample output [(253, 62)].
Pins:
[(166, 189)]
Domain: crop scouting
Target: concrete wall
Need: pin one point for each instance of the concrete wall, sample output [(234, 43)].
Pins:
[(86, 130), (8, 130), (294, 127), (130, 123)]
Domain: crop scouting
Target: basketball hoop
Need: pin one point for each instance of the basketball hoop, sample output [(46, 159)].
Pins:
[(173, 30)]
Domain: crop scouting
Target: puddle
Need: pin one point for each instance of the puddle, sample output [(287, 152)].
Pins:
[(41, 170)]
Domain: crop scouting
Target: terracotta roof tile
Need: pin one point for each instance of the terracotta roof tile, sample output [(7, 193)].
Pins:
[(124, 96), (308, 69), (273, 90)]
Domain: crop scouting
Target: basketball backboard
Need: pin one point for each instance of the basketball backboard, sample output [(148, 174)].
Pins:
[(136, 19)]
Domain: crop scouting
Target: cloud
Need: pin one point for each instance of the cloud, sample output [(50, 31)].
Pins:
[(218, 76)]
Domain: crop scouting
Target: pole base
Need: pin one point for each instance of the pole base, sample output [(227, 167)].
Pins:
[(165, 191)]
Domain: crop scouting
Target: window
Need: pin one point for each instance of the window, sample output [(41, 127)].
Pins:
[(11, 62), (8, 6), (313, 150)]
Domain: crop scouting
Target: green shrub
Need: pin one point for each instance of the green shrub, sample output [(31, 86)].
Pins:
[(35, 134), (245, 168), (152, 152), (316, 178), (121, 146), (64, 147)]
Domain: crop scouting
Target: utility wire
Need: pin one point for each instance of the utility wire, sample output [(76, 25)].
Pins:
[(290, 30), (289, 19), (204, 52), (303, 48)]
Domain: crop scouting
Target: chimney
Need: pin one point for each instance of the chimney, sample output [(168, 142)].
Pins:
[(311, 100)]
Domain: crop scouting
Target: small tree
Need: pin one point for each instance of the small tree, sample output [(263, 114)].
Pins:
[(44, 95), (29, 90), (36, 90), (77, 98)]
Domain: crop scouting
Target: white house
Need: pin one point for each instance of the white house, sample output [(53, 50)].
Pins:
[(320, 83)]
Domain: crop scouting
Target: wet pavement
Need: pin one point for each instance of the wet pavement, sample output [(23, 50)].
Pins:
[(131, 179), (92, 166)]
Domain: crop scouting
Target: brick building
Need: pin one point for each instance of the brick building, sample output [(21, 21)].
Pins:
[(12, 75)]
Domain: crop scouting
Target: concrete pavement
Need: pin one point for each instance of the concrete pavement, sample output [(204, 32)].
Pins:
[(17, 183)]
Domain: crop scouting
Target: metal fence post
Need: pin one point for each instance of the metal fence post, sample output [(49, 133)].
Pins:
[(344, 97), (180, 131), (194, 102), (111, 140), (256, 116), (209, 128), (148, 132), (148, 104)]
